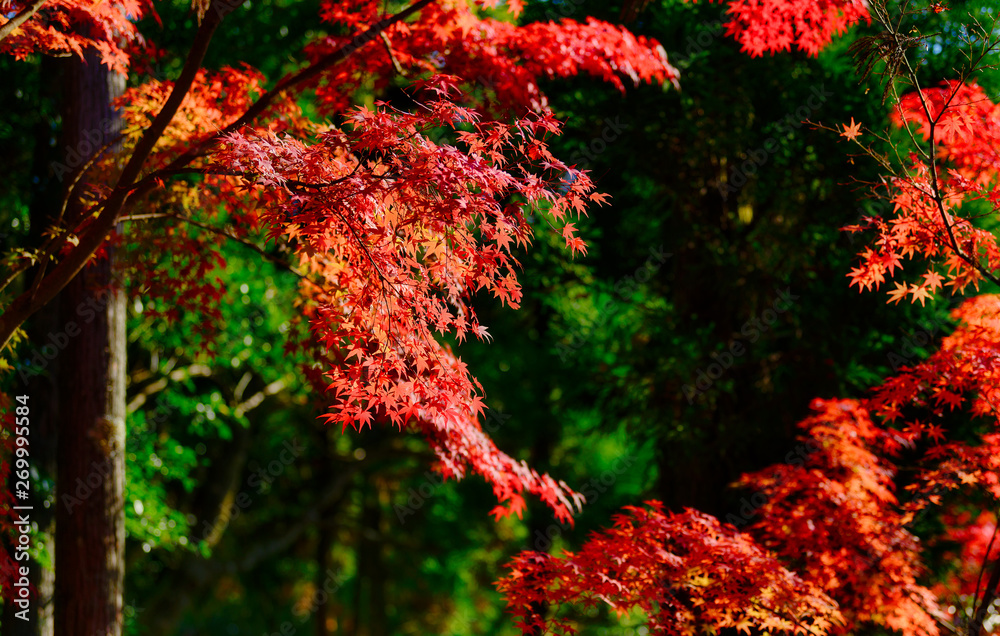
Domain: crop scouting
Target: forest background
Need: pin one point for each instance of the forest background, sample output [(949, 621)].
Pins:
[(710, 308)]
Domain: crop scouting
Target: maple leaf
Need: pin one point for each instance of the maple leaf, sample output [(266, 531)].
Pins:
[(851, 132), (516, 505), (898, 294), (935, 432), (951, 126), (933, 280), (921, 293)]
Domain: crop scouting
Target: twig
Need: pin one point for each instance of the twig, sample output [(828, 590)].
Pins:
[(20, 18)]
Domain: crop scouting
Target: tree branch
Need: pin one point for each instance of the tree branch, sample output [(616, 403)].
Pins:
[(28, 302), (20, 18), (301, 77), (270, 257), (976, 627)]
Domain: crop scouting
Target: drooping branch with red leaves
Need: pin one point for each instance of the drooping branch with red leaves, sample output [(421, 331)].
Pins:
[(70, 27), (393, 219)]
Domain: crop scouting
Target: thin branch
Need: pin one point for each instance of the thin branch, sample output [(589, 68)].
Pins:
[(20, 18), (392, 56), (78, 175), (932, 122), (256, 248), (303, 76), (982, 569), (989, 595)]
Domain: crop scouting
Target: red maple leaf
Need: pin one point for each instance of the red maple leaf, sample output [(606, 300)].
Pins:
[(852, 132)]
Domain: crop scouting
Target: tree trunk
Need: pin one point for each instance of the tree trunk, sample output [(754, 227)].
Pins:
[(90, 513)]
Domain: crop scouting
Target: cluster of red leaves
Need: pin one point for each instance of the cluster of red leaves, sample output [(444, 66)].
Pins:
[(510, 60), (215, 100), (773, 26), (461, 442), (964, 371), (834, 519), (964, 125), (397, 219), (967, 362), (922, 227), (957, 465), (963, 120), (686, 572), (61, 27)]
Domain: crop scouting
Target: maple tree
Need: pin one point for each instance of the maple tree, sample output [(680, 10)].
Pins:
[(380, 282), (833, 518), (391, 218)]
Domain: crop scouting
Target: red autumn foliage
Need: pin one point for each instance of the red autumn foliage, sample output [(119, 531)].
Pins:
[(835, 520), (685, 571), (975, 542), (965, 368), (58, 27), (773, 26), (828, 548), (393, 218), (937, 203)]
